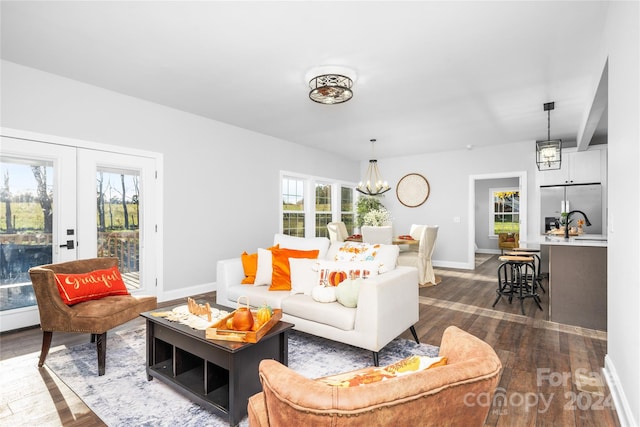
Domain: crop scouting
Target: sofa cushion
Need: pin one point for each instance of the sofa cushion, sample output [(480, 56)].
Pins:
[(332, 314), (258, 295), (303, 243), (303, 275), (281, 271), (75, 288)]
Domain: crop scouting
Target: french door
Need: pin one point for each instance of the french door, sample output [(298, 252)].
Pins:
[(60, 203)]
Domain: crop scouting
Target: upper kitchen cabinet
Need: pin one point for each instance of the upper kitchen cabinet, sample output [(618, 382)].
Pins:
[(578, 167)]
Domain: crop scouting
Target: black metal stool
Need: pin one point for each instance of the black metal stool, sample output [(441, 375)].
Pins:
[(513, 280), (536, 264)]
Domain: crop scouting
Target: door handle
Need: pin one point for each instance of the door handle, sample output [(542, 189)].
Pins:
[(69, 245)]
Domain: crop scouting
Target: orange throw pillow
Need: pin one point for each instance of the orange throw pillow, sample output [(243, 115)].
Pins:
[(281, 274), (250, 266), (75, 288)]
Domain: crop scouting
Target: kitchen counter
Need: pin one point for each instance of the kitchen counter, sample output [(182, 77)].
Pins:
[(594, 240), (577, 270)]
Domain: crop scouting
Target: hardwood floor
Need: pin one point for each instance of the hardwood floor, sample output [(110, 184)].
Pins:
[(551, 372)]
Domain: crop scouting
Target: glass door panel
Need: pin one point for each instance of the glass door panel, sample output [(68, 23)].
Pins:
[(118, 221), (32, 211), (115, 195)]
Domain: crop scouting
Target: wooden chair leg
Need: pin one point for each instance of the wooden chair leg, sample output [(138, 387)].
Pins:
[(46, 344), (101, 345)]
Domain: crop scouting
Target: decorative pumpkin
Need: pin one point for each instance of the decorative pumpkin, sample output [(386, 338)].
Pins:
[(335, 277), (263, 314), (323, 293), (347, 292)]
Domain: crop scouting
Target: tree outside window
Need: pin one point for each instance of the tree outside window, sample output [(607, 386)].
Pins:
[(505, 214)]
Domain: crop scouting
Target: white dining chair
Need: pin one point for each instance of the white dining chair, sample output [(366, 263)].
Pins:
[(337, 231), (421, 259), (382, 234)]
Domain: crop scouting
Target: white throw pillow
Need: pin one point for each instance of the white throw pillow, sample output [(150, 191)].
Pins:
[(386, 256), (303, 243), (265, 269), (303, 276), (360, 269)]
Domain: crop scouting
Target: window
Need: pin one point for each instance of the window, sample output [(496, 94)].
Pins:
[(293, 207), (323, 209), (333, 201), (347, 208), (505, 210)]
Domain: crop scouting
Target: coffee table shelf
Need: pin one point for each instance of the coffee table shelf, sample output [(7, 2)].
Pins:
[(218, 375)]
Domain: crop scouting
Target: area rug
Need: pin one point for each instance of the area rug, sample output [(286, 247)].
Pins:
[(124, 397)]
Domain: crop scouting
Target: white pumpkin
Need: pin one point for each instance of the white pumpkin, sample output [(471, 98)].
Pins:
[(323, 293), (347, 292)]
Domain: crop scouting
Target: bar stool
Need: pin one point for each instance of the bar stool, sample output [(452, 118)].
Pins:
[(513, 280), (537, 264)]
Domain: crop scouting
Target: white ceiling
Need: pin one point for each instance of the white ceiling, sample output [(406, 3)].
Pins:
[(431, 76)]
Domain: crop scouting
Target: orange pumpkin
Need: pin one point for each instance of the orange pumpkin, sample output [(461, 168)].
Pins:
[(335, 277)]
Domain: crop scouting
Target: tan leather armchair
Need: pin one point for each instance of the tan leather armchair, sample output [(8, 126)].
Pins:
[(508, 241), (95, 317), (458, 394)]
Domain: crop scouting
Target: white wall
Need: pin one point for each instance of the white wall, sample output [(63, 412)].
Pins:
[(221, 182), (623, 296), (448, 175)]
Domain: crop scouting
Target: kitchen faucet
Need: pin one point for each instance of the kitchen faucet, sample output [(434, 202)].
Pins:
[(566, 224)]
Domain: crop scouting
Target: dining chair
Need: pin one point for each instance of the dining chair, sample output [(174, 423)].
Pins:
[(382, 234), (421, 259), (337, 231)]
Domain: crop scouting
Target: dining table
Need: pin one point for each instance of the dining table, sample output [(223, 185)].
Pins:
[(397, 240)]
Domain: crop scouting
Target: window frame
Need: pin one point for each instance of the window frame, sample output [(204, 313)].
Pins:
[(492, 211), (309, 197)]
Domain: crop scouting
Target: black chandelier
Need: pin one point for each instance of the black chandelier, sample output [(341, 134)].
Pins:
[(549, 152)]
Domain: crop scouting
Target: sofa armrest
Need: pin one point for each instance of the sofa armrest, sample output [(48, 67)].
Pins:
[(229, 272), (388, 304)]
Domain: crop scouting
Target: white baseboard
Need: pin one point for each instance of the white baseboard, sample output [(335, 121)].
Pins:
[(617, 394), (489, 251), (449, 264), (187, 292)]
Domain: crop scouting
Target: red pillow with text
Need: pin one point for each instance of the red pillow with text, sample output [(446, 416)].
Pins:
[(75, 288)]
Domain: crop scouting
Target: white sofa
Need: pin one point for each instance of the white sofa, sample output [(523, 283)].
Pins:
[(387, 305)]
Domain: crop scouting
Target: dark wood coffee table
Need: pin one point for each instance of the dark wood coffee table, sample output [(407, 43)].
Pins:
[(218, 375)]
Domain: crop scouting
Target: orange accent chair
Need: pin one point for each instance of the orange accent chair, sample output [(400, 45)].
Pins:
[(508, 241)]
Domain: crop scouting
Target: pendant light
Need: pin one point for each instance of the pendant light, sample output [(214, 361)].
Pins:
[(372, 184), (549, 152)]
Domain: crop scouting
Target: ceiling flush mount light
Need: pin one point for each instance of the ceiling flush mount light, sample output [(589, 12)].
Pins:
[(372, 184), (330, 84), (549, 152)]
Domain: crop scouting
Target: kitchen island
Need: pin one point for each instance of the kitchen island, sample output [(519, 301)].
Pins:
[(577, 270)]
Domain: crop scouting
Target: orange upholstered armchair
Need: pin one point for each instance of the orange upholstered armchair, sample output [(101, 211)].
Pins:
[(508, 241), (457, 394), (95, 316)]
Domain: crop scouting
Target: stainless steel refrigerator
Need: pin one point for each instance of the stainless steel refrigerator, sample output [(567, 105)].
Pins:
[(565, 198)]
